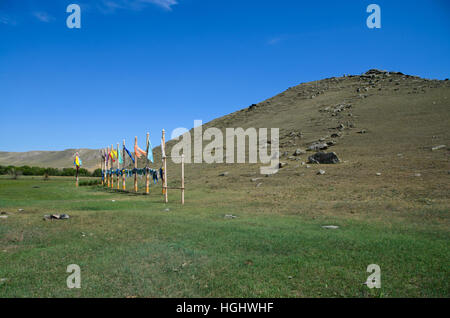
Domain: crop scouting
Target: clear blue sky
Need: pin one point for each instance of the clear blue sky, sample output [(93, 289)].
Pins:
[(143, 65)]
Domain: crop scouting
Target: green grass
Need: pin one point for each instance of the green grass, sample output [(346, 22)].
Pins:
[(133, 247)]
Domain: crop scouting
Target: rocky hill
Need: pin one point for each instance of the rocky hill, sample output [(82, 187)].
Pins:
[(377, 118), (387, 129)]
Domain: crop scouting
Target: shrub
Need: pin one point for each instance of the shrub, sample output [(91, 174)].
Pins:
[(97, 173), (38, 171)]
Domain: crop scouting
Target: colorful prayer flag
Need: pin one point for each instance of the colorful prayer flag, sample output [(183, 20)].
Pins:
[(120, 156), (149, 150), (138, 151)]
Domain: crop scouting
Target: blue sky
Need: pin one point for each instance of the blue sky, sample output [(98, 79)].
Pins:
[(143, 65)]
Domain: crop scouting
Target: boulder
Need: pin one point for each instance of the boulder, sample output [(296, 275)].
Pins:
[(56, 217), (375, 71), (322, 157), (318, 146), (299, 152), (438, 147), (330, 227)]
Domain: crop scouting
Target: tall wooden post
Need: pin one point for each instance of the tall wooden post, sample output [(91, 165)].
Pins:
[(107, 167), (124, 187), (182, 179), (147, 176), (118, 168), (76, 177), (102, 166), (163, 191), (135, 166), (112, 167), (163, 145)]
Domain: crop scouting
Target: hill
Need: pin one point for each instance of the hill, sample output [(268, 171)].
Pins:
[(54, 159), (376, 122), (371, 117)]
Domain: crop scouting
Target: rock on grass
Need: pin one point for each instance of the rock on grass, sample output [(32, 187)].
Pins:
[(324, 158), (438, 147), (330, 227)]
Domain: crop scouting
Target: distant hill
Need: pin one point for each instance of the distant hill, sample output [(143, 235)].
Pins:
[(55, 159)]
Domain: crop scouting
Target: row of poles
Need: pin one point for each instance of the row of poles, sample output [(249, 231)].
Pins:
[(109, 164)]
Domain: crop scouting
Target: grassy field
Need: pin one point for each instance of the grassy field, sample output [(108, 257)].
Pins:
[(389, 196), (134, 247)]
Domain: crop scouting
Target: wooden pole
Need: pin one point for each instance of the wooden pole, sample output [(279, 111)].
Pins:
[(124, 186), (166, 199), (108, 177), (147, 176), (182, 179), (118, 168), (76, 178), (102, 166), (106, 167), (112, 167), (162, 163), (135, 166)]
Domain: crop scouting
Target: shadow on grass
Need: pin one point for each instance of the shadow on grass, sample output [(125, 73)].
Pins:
[(118, 191)]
